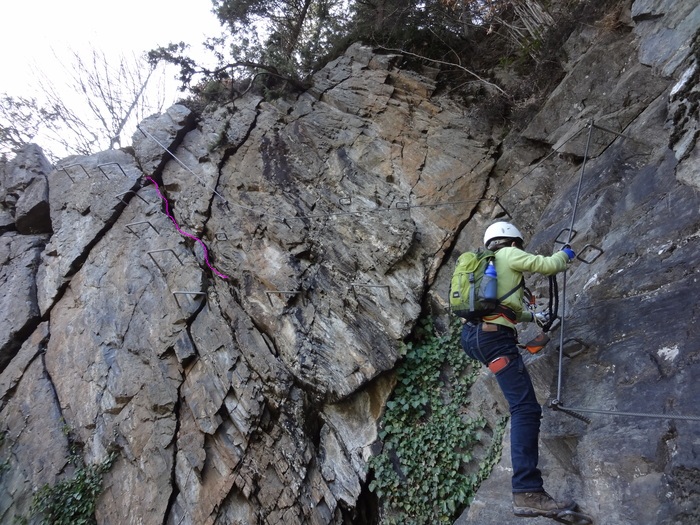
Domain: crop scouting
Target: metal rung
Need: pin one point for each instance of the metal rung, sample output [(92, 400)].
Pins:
[(597, 252), (180, 292), (362, 285), (622, 135), (221, 236), (150, 254), (617, 413), (571, 238), (280, 292), (65, 168), (500, 205), (575, 347), (403, 205), (345, 201), (109, 164), (128, 227), (119, 196)]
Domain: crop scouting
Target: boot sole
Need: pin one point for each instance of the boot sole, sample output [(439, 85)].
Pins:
[(529, 512), (522, 512)]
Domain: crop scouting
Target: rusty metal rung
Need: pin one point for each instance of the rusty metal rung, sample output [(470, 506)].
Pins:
[(556, 405)]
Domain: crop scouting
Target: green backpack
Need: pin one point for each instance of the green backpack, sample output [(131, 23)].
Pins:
[(468, 288)]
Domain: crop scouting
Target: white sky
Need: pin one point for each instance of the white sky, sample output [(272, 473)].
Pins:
[(31, 31)]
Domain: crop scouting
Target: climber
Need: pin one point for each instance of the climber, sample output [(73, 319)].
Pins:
[(493, 342)]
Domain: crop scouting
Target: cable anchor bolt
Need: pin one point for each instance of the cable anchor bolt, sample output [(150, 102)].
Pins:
[(555, 404)]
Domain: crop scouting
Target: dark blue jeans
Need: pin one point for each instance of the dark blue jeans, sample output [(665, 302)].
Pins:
[(525, 411)]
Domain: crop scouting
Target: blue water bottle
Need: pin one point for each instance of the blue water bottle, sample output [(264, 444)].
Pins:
[(490, 284)]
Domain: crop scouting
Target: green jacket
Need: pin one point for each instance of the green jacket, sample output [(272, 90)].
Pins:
[(511, 263)]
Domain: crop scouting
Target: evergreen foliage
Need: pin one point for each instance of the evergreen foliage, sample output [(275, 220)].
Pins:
[(291, 39), (426, 472)]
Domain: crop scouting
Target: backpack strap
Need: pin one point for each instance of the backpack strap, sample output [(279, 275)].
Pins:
[(521, 284), (504, 311)]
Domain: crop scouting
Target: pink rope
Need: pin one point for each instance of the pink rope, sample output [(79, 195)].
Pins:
[(190, 236)]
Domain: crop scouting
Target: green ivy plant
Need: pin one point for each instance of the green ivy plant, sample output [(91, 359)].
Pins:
[(425, 473), (72, 501)]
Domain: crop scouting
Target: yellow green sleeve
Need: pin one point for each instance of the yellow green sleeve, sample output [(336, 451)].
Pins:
[(521, 261), (525, 316)]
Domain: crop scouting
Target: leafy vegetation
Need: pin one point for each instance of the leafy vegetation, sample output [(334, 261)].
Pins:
[(71, 501), (283, 42), (274, 46), (426, 472)]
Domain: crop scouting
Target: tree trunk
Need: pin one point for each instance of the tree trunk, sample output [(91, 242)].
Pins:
[(296, 29)]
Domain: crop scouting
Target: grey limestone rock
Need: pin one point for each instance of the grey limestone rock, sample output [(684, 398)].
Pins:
[(224, 305)]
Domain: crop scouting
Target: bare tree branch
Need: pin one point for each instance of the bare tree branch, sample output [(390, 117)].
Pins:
[(482, 80), (268, 69), (99, 100)]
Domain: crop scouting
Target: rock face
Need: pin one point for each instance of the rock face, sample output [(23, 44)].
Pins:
[(630, 338), (224, 321)]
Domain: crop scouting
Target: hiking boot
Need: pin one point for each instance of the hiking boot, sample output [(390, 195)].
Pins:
[(531, 504)]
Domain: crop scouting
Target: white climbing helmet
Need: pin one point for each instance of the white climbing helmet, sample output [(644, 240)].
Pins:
[(501, 230)]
